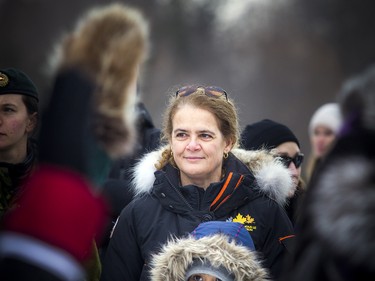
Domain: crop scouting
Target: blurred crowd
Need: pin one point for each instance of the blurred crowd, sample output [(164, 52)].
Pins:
[(90, 189)]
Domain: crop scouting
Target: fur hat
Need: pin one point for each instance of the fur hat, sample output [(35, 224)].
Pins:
[(108, 45), (14, 81), (328, 115), (224, 252), (266, 134)]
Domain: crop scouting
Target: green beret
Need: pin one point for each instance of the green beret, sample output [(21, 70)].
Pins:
[(14, 81)]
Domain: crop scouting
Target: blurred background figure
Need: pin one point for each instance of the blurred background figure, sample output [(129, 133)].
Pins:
[(336, 241), (262, 41), (18, 123), (324, 127), (215, 250), (117, 189), (57, 223), (271, 135)]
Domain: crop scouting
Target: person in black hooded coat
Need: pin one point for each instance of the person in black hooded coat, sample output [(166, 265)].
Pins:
[(335, 241), (117, 188), (51, 233)]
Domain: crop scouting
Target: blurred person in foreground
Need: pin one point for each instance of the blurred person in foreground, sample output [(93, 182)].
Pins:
[(271, 135), (18, 122), (215, 250), (324, 128), (117, 187), (336, 239), (89, 121), (200, 175)]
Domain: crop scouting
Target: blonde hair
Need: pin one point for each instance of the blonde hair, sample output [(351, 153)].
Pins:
[(224, 111)]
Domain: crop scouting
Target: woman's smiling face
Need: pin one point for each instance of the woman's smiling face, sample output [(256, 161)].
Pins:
[(198, 146)]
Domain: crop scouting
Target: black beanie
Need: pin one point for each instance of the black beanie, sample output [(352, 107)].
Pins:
[(14, 81), (266, 134)]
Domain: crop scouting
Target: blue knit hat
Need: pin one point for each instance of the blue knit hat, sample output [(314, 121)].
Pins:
[(234, 230)]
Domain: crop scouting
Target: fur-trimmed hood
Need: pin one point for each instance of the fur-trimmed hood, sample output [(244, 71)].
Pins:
[(177, 255), (272, 177), (342, 200), (342, 205)]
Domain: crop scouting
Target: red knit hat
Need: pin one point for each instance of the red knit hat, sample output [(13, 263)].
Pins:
[(59, 208)]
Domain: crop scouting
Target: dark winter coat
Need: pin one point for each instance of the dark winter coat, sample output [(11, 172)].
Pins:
[(117, 188), (335, 241), (164, 209), (12, 177)]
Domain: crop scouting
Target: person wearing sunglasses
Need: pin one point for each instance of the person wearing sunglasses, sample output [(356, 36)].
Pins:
[(336, 237), (277, 137), (199, 175)]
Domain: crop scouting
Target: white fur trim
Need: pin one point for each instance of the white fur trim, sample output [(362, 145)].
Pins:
[(343, 207), (275, 181), (143, 172), (272, 177)]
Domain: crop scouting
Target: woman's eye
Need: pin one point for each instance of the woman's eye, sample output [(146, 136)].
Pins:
[(206, 136), (196, 278), (8, 109), (202, 277), (181, 135)]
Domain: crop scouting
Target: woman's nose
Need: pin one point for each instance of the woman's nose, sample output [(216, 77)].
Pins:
[(193, 144)]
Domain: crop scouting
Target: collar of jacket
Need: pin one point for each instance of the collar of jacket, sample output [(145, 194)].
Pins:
[(221, 198), (272, 178), (10, 178)]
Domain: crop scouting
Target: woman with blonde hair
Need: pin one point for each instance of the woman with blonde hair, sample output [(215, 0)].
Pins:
[(199, 175)]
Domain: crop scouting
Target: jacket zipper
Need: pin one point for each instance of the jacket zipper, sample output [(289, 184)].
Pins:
[(180, 195)]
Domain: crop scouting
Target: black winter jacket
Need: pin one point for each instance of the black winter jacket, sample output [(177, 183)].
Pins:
[(168, 209), (12, 177)]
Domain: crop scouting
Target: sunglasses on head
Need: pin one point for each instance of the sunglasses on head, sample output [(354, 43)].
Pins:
[(210, 91), (297, 160)]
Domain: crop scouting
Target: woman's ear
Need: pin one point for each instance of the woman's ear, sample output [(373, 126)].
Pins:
[(31, 125), (228, 145)]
